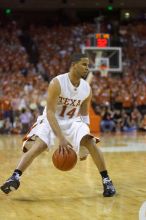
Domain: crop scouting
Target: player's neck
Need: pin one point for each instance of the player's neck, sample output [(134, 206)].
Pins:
[(74, 80)]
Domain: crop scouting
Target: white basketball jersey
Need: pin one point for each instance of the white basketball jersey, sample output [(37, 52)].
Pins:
[(70, 98)]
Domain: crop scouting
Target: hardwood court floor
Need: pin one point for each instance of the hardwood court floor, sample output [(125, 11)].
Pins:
[(49, 194)]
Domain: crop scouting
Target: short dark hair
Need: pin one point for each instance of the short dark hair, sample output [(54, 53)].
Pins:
[(76, 57)]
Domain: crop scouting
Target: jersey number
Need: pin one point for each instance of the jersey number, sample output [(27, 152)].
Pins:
[(70, 113)]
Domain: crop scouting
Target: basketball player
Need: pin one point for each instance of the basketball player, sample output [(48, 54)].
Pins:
[(65, 118)]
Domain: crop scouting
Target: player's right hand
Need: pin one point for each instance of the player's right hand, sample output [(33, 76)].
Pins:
[(64, 145)]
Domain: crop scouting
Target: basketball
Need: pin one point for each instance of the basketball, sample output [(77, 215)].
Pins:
[(64, 160)]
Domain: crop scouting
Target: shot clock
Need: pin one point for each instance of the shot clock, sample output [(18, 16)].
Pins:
[(102, 40), (98, 40), (101, 54)]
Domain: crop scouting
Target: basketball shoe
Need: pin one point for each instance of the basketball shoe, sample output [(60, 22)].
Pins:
[(109, 189), (11, 184)]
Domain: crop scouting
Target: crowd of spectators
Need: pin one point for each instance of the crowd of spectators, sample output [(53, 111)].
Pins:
[(27, 68), (122, 99)]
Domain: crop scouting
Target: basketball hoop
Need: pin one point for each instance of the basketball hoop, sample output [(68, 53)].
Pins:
[(103, 70), (110, 56)]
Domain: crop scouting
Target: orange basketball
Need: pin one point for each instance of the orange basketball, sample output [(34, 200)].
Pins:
[(65, 160)]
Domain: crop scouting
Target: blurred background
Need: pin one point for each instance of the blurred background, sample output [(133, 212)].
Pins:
[(37, 38)]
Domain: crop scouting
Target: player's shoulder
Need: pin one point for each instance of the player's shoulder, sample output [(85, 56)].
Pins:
[(54, 84), (58, 78), (85, 83), (61, 76), (85, 87)]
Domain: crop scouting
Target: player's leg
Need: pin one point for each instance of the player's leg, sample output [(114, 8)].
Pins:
[(38, 147), (95, 152), (13, 182), (98, 159)]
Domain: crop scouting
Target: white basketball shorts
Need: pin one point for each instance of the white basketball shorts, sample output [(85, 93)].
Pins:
[(73, 129)]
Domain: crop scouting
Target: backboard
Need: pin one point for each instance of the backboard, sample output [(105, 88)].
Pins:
[(109, 58)]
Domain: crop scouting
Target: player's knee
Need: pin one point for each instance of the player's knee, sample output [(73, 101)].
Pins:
[(26, 147), (36, 149), (88, 142)]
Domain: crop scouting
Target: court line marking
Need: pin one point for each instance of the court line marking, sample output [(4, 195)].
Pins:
[(142, 211), (130, 148)]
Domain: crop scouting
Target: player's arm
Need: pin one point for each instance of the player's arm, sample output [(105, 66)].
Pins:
[(84, 109), (54, 91)]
